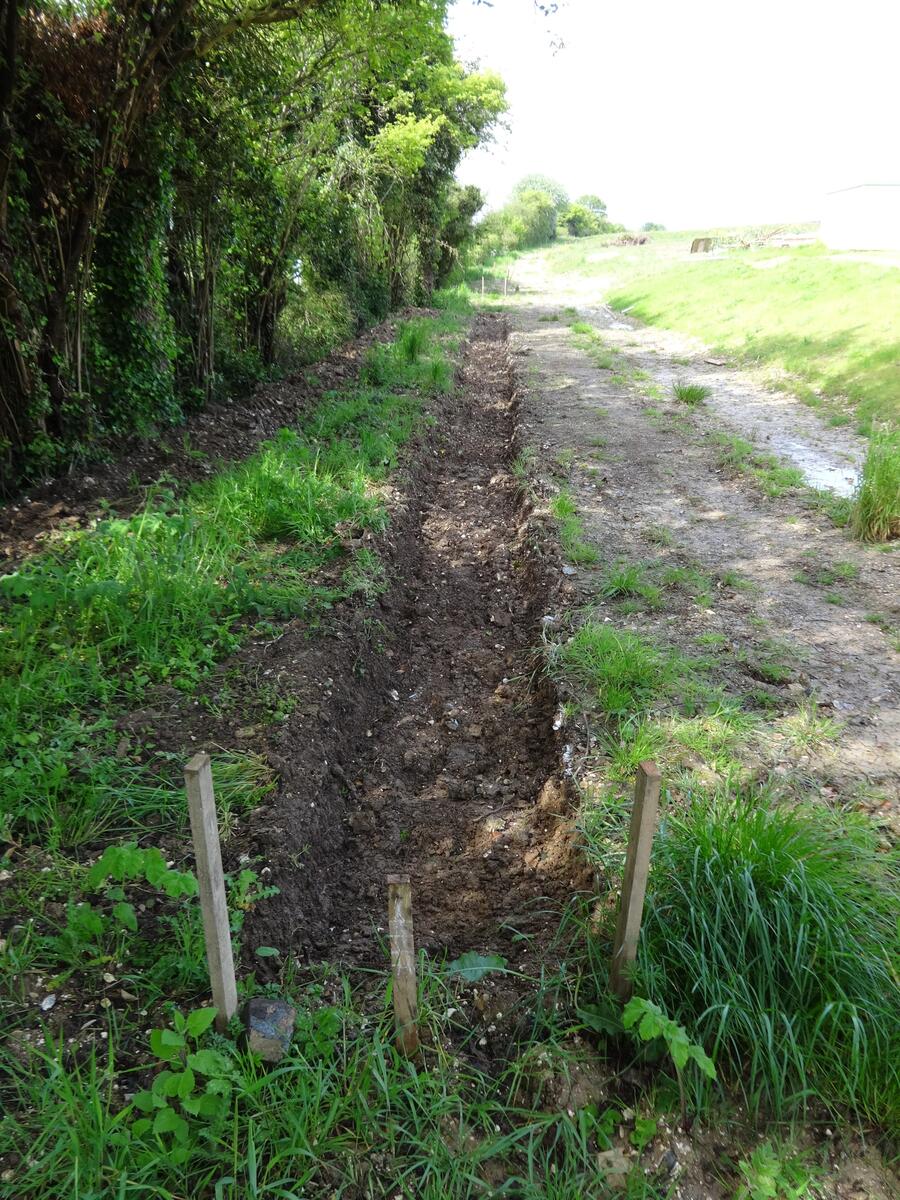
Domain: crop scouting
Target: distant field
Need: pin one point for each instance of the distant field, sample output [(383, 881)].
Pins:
[(831, 320)]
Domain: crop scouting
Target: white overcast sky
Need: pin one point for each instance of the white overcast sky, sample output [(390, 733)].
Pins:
[(691, 113)]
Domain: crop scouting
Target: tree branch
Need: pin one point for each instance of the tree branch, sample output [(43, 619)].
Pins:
[(267, 14)]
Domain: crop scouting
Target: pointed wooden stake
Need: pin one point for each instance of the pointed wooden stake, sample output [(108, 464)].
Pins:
[(634, 883), (403, 963), (216, 929)]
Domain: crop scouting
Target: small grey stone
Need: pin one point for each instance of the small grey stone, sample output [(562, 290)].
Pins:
[(270, 1027)]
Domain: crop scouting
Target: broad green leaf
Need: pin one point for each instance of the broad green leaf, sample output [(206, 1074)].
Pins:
[(165, 1044), (167, 1120), (144, 1101), (124, 913), (209, 1062), (472, 966), (181, 1084), (200, 1020)]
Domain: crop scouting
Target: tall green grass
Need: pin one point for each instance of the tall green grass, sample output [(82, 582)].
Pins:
[(875, 515), (691, 394), (772, 933)]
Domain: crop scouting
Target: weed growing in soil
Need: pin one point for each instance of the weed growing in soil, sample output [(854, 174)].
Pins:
[(876, 505), (775, 1171), (571, 530), (691, 394)]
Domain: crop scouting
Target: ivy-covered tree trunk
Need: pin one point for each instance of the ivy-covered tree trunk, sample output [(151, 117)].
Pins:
[(132, 344)]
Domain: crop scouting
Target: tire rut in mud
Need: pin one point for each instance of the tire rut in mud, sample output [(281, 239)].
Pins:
[(458, 783)]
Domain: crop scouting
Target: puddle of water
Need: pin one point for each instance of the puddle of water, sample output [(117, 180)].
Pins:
[(827, 459), (819, 471)]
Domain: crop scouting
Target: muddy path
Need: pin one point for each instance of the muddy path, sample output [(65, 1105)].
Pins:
[(742, 401), (457, 779), (650, 487)]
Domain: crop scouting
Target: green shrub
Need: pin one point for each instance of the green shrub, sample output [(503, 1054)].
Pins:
[(876, 505), (311, 324), (772, 934), (691, 393), (580, 221)]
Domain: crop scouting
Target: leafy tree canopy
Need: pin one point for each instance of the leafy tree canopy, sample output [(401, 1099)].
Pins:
[(593, 204), (193, 194), (546, 185)]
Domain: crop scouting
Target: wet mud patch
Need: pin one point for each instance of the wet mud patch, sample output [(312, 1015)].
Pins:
[(437, 757)]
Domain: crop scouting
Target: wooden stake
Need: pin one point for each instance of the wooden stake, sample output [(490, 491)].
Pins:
[(216, 930), (482, 285), (403, 963), (634, 884), (506, 283)]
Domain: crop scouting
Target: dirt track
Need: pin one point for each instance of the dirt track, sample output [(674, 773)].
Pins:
[(637, 465), (457, 778)]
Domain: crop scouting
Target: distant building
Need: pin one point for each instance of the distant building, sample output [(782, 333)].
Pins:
[(866, 217)]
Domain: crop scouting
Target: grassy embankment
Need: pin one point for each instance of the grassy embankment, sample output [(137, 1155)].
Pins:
[(827, 324), (770, 931)]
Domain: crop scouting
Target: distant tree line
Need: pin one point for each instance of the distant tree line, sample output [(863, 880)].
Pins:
[(194, 194), (537, 208)]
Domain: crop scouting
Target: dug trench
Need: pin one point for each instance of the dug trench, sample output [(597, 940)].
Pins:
[(438, 756)]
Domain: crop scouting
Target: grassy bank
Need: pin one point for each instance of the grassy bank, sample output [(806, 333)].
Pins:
[(825, 324)]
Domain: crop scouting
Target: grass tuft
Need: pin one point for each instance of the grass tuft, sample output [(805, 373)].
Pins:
[(772, 934), (691, 394), (876, 505), (571, 530)]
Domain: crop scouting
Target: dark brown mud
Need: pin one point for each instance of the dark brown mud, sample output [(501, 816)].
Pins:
[(441, 761)]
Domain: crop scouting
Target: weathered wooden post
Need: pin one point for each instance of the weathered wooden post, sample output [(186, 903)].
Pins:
[(482, 286), (506, 282), (216, 929), (634, 883), (403, 963)]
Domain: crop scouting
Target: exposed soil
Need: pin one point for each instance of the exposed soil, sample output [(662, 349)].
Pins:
[(457, 783), (638, 466), (419, 734)]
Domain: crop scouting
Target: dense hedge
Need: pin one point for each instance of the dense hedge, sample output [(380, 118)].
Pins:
[(192, 197)]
